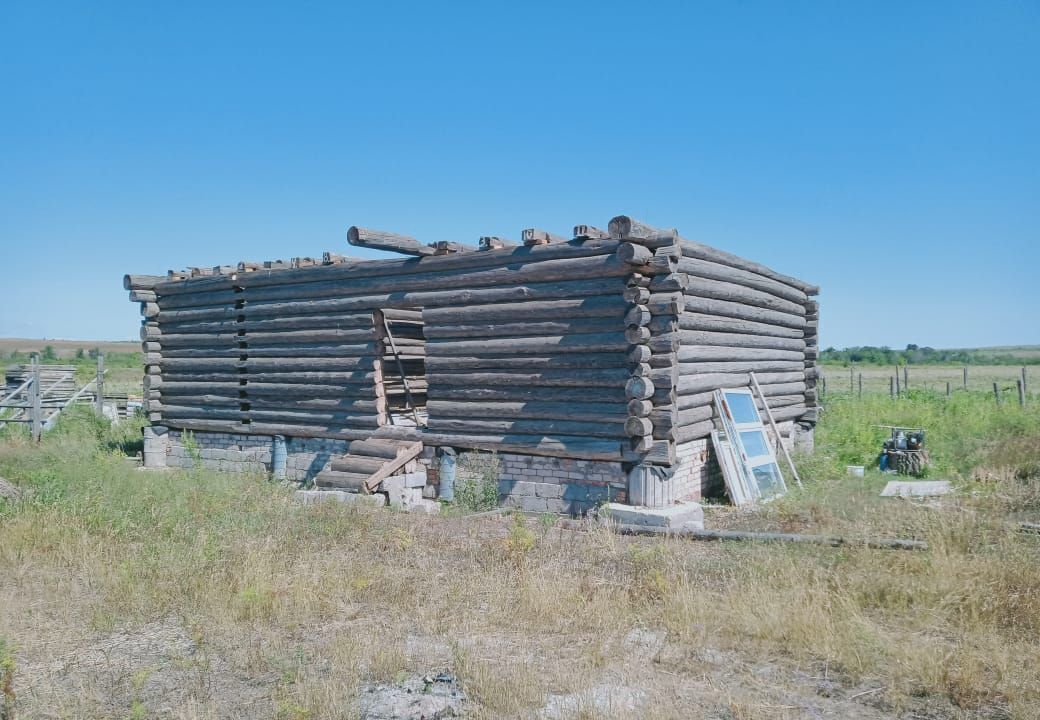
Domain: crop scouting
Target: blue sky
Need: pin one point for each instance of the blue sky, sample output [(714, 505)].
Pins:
[(888, 151)]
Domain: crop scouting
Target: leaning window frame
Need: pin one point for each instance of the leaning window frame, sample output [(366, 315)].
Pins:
[(734, 432)]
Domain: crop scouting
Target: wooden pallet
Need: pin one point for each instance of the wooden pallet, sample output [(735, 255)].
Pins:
[(367, 463)]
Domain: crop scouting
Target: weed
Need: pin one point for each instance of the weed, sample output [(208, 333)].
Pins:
[(476, 483)]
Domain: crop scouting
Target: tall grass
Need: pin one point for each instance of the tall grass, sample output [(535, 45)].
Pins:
[(312, 602)]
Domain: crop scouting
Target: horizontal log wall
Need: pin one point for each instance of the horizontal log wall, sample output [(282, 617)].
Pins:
[(603, 348), (523, 347), (738, 317)]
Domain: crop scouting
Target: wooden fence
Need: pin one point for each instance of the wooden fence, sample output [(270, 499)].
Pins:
[(37, 394)]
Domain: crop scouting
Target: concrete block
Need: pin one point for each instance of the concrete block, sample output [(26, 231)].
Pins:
[(426, 507), (681, 515), (312, 497)]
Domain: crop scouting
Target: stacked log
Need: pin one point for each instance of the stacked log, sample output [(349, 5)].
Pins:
[(715, 319), (812, 345), (303, 352), (597, 347)]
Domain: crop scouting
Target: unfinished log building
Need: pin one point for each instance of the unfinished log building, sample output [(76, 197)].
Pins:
[(586, 364)]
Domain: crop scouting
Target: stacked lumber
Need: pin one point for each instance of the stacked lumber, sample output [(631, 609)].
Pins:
[(714, 319), (57, 382)]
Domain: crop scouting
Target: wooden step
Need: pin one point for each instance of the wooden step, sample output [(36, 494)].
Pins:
[(355, 482), (358, 464), (373, 448), (367, 463)]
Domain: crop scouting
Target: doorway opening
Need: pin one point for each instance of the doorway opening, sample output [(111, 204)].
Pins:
[(402, 351)]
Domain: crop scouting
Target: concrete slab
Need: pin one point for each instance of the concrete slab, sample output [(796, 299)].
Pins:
[(917, 488), (673, 517), (312, 497)]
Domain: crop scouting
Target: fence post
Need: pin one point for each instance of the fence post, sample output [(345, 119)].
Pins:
[(947, 388), (996, 393), (965, 377), (897, 381), (892, 386), (861, 386), (906, 377), (852, 386), (99, 403), (823, 384), (1025, 387), (1021, 393), (36, 412)]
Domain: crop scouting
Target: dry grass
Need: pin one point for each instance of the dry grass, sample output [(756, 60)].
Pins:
[(198, 595)]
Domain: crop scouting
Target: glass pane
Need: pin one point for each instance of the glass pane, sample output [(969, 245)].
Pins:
[(754, 442), (769, 481), (742, 406)]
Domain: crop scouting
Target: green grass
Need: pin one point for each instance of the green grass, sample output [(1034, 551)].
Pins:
[(309, 602)]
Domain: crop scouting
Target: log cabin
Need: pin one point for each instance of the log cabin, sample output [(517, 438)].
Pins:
[(585, 363)]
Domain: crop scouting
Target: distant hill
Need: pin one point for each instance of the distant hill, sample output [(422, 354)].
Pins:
[(923, 355)]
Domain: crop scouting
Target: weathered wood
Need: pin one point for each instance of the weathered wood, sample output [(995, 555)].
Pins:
[(638, 427), (275, 389), (638, 316), (541, 271), (634, 254), (670, 282), (714, 323), (530, 362), (446, 247), (713, 353), (666, 303), (578, 377), (741, 311), (393, 270), (350, 406), (149, 309), (341, 419), (639, 408), (566, 326), (384, 449), (585, 343), (295, 377), (289, 337), (695, 431), (141, 282), (704, 269), (589, 231), (351, 463), (524, 394), (729, 339), (639, 388), (624, 226), (379, 240), (636, 295), (143, 296), (493, 242), (703, 252), (279, 351), (614, 412), (717, 290), (354, 482), (534, 236), (316, 322), (612, 305), (692, 368), (637, 335), (597, 429), (639, 354)]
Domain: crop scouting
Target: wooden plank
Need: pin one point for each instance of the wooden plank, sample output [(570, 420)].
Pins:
[(391, 242)]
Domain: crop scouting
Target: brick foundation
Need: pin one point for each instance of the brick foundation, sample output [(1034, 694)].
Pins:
[(528, 482)]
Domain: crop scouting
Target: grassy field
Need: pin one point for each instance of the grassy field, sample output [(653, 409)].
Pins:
[(193, 594), (932, 377)]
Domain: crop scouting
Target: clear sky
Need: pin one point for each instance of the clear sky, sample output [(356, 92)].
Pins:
[(888, 151)]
